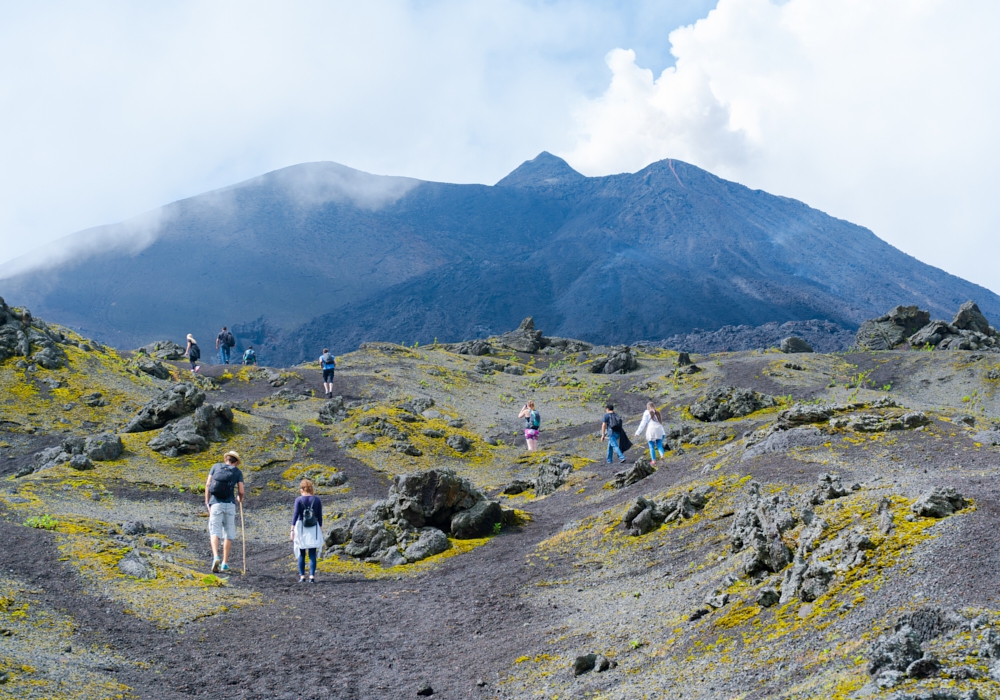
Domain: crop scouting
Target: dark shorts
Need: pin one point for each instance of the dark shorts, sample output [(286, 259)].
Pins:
[(328, 375)]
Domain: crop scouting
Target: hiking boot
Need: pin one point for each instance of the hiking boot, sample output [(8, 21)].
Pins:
[(215, 565), (224, 568)]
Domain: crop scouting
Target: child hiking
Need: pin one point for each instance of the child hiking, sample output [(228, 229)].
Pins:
[(532, 422), (193, 352), (307, 533), (329, 364), (652, 423)]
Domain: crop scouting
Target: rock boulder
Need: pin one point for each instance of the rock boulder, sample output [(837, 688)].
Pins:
[(891, 330), (179, 400), (795, 344), (730, 402)]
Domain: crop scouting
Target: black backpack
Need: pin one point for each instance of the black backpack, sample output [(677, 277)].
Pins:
[(222, 483), (228, 339), (308, 516), (614, 422)]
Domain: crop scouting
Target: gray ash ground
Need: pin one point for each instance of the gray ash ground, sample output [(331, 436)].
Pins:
[(506, 619)]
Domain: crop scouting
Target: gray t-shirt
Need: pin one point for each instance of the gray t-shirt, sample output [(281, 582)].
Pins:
[(236, 481)]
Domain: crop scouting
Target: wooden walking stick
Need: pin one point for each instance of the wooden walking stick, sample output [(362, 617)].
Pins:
[(243, 538)]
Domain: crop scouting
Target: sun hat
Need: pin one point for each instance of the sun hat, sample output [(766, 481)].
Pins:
[(234, 455)]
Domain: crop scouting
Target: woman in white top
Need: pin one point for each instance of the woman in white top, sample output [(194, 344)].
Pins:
[(652, 423)]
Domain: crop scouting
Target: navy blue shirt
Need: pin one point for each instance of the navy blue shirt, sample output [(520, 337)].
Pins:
[(312, 502)]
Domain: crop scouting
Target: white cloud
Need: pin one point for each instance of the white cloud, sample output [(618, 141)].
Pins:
[(110, 108), (881, 113)]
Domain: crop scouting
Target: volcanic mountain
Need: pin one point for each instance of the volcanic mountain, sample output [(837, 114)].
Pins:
[(319, 254)]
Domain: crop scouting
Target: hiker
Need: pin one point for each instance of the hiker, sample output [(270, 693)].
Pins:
[(329, 364), (223, 490), (307, 535), (532, 422), (250, 357), (652, 423), (224, 343), (613, 431), (193, 352)]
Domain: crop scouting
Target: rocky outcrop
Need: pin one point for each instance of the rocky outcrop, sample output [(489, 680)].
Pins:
[(639, 471), (644, 515), (892, 329), (475, 348), (163, 350), (780, 441), (900, 654), (21, 335), (968, 330), (730, 402), (177, 401), (333, 411), (104, 447), (873, 423), (525, 339), (939, 503), (193, 434), (414, 521), (552, 473), (758, 527), (794, 344), (619, 361)]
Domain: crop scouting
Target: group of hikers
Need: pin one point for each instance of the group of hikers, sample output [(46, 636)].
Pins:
[(224, 344), (612, 431), (224, 491)]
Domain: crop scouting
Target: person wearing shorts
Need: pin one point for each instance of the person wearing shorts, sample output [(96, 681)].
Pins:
[(329, 365), (531, 422), (223, 490)]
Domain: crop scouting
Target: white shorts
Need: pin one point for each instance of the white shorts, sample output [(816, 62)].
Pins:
[(222, 521)]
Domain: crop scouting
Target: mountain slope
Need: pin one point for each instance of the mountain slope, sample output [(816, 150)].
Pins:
[(320, 254)]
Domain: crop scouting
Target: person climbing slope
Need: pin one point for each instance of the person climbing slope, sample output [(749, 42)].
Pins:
[(224, 343), (307, 533), (532, 422), (223, 490), (193, 352), (250, 357), (613, 430), (329, 364), (652, 423)]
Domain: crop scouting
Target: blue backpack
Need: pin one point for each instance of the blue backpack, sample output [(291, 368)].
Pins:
[(249, 357)]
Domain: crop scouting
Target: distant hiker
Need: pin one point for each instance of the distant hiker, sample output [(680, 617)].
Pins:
[(193, 352), (224, 343), (329, 364), (613, 431), (532, 422), (223, 490), (249, 357), (307, 535), (652, 423)]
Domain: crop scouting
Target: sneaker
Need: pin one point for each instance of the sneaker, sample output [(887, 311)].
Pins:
[(215, 565), (197, 369), (312, 580), (621, 461), (302, 579), (224, 568)]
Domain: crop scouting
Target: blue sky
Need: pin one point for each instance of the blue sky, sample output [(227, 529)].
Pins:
[(109, 109)]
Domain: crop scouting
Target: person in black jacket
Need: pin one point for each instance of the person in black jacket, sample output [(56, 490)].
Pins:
[(193, 353)]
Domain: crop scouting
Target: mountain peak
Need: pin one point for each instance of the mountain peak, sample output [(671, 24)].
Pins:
[(544, 170)]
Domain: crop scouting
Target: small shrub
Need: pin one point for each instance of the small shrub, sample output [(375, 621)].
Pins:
[(42, 522)]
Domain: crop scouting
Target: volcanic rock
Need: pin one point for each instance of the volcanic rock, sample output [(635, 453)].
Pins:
[(177, 401), (794, 344), (891, 330), (730, 402)]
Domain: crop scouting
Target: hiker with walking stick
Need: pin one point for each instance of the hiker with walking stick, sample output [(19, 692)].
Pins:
[(223, 490)]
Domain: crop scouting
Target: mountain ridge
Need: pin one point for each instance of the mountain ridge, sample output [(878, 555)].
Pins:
[(331, 256)]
